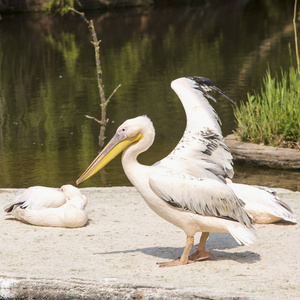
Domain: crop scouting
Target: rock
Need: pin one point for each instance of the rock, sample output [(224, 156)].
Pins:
[(274, 157)]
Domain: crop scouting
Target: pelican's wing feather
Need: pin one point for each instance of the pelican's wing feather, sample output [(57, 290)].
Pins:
[(202, 141), (37, 197), (204, 196), (262, 202)]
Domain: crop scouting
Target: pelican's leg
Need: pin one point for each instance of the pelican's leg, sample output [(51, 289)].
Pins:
[(184, 259), (201, 254)]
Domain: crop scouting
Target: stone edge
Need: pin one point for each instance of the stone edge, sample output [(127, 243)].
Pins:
[(39, 288), (263, 155)]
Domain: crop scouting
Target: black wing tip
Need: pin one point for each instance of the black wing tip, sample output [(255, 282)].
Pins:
[(8, 209), (203, 82)]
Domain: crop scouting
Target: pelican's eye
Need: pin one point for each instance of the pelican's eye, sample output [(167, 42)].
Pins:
[(122, 130)]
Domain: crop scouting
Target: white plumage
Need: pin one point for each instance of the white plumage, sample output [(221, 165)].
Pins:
[(262, 203), (188, 187), (203, 152), (44, 206)]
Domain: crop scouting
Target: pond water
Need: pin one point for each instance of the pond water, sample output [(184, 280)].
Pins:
[(48, 82)]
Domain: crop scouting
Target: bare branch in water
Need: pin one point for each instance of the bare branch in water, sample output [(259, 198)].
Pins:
[(114, 91), (296, 40), (103, 101), (93, 118)]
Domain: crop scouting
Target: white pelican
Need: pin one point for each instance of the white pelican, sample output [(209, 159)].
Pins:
[(262, 203), (202, 152), (44, 206), (187, 188)]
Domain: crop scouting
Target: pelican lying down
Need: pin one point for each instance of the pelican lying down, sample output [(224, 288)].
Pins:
[(44, 206), (188, 187)]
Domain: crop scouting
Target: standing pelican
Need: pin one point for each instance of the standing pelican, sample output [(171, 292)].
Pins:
[(44, 206), (188, 187)]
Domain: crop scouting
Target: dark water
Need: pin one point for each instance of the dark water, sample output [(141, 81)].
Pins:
[(48, 81)]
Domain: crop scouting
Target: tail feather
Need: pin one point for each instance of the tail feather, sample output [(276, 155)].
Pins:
[(291, 216), (243, 235)]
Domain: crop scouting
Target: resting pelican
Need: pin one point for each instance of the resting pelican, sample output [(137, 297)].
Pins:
[(262, 203), (44, 206), (188, 187)]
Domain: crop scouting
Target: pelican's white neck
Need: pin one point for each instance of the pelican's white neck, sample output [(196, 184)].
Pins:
[(130, 163), (131, 153)]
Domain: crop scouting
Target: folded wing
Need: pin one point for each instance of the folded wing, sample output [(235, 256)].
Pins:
[(37, 197), (203, 196)]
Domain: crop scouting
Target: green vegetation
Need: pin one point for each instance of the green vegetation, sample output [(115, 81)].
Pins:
[(60, 6), (273, 116)]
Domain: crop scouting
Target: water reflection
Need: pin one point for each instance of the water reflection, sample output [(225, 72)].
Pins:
[(48, 81), (267, 177)]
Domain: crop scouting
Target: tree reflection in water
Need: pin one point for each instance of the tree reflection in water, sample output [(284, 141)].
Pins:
[(48, 80)]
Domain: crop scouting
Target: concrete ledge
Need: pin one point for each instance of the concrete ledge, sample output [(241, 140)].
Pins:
[(22, 288), (263, 155), (115, 255)]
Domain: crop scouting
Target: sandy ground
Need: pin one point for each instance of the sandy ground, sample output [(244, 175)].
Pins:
[(114, 256)]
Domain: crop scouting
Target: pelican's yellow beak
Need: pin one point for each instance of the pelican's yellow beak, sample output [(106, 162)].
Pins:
[(115, 146)]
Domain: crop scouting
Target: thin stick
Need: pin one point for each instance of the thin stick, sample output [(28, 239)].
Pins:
[(104, 121), (103, 101), (114, 91), (295, 32), (93, 118)]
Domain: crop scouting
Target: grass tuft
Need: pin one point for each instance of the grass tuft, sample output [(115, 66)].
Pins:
[(273, 116)]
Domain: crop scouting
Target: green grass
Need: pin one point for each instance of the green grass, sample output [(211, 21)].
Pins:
[(273, 116)]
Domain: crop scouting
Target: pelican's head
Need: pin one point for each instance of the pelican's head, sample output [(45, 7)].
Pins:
[(131, 131), (72, 192)]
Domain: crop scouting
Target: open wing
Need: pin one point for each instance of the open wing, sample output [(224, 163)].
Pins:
[(38, 197), (204, 196), (202, 148)]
